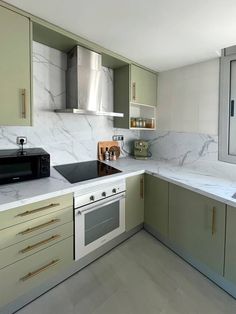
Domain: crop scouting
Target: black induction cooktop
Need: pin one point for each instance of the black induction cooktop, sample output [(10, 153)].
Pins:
[(81, 171)]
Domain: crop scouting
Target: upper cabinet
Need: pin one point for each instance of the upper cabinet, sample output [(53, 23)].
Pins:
[(15, 69), (143, 86), (135, 94)]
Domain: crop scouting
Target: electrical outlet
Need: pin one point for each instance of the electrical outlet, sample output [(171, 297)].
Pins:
[(117, 137), (21, 140)]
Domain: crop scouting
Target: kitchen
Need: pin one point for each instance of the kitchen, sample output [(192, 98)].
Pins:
[(177, 188)]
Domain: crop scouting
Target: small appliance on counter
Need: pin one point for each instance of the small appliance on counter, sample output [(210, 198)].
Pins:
[(24, 164), (141, 149)]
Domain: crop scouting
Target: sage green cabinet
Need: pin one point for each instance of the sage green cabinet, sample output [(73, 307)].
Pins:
[(230, 245), (134, 203), (156, 204), (135, 94), (143, 86), (197, 226), (15, 69)]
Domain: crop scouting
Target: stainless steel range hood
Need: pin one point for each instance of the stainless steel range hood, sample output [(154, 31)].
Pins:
[(84, 84)]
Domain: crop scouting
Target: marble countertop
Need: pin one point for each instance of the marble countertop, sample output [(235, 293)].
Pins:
[(206, 179)]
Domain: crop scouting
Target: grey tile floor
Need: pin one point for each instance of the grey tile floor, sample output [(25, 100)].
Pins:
[(141, 276)]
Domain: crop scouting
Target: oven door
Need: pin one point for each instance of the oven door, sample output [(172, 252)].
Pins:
[(98, 223)]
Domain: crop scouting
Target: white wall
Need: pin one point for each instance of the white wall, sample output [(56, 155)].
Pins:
[(188, 98)]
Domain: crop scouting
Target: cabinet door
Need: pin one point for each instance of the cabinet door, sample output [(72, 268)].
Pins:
[(197, 225), (156, 204), (143, 86), (134, 205), (14, 68), (230, 245)]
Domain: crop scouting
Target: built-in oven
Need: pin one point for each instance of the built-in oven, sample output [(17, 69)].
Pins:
[(99, 217)]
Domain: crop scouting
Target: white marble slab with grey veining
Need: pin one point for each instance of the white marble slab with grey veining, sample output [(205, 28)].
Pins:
[(205, 180)]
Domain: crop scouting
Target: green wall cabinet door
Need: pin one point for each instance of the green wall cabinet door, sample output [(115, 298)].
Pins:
[(230, 245), (15, 69), (197, 225), (156, 204), (134, 203), (143, 86)]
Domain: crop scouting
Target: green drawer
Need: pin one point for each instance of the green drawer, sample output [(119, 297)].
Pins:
[(21, 232), (30, 246), (31, 211), (20, 277)]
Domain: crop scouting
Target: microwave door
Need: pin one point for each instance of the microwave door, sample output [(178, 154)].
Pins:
[(17, 169)]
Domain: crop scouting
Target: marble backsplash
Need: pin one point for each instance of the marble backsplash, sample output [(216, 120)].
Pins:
[(67, 137), (181, 148), (193, 151), (70, 138)]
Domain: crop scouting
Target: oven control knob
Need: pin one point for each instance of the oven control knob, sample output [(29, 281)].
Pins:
[(104, 194), (92, 198), (113, 190)]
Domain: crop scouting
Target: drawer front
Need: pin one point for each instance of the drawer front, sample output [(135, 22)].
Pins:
[(21, 214), (20, 277), (30, 246), (21, 232)]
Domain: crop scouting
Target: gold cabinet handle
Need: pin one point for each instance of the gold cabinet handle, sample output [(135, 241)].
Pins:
[(23, 94), (40, 270), (29, 230), (134, 91), (213, 221), (29, 212), (142, 188), (36, 245)]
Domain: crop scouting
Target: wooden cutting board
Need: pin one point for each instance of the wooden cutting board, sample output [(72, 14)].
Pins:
[(102, 148)]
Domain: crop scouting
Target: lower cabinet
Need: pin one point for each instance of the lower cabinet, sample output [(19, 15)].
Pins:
[(156, 204), (230, 245), (19, 278), (197, 225), (36, 243), (134, 204)]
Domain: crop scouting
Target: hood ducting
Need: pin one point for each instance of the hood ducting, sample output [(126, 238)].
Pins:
[(84, 83)]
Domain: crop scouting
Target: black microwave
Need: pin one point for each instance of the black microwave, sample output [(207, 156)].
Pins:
[(18, 165)]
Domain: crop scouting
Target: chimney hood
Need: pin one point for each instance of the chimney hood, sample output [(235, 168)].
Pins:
[(84, 83)]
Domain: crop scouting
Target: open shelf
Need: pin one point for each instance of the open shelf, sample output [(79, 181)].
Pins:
[(142, 117)]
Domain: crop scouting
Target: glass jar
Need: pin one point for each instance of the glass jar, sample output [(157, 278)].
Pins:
[(133, 123)]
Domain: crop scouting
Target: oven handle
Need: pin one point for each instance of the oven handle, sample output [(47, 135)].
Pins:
[(92, 207)]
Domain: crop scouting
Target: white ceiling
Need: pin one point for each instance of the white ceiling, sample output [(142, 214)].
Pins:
[(158, 34)]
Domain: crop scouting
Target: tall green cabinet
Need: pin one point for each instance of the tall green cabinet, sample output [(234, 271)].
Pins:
[(197, 225), (156, 204), (15, 68)]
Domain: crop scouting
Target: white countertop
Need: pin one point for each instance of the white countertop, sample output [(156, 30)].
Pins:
[(205, 178)]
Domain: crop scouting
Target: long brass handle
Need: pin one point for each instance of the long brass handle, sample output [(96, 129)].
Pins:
[(213, 221), (134, 91), (23, 94), (36, 245), (40, 270), (29, 212), (29, 230), (142, 188)]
